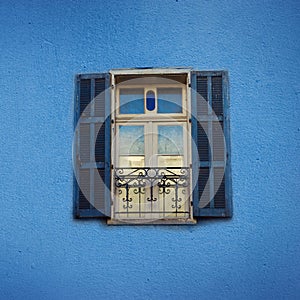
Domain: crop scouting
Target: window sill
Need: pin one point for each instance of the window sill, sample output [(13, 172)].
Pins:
[(151, 222)]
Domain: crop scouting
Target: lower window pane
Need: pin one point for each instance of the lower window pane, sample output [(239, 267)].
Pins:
[(170, 161), (131, 161)]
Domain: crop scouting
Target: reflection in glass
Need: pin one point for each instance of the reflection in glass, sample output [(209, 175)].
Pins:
[(131, 101), (170, 161), (131, 161), (170, 140), (169, 100), (131, 140)]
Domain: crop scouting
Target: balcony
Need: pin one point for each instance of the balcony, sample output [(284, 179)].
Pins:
[(152, 193)]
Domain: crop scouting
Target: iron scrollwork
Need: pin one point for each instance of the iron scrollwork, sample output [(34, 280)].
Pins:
[(169, 180)]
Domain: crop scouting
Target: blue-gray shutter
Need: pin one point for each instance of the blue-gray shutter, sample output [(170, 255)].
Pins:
[(92, 153), (212, 151)]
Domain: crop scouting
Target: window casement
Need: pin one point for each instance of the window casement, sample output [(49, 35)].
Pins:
[(152, 146)]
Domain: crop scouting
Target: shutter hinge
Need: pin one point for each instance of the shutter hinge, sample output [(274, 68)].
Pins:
[(112, 166), (190, 120), (112, 121)]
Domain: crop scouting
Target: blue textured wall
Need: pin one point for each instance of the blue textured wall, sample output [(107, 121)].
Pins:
[(45, 254)]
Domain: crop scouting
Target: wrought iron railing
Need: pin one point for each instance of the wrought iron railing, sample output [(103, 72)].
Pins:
[(169, 186)]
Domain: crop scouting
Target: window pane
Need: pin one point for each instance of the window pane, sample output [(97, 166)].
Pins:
[(169, 100), (170, 140), (131, 161), (131, 140), (131, 101), (170, 161), (150, 100)]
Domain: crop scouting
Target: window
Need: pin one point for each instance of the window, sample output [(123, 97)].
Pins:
[(152, 146)]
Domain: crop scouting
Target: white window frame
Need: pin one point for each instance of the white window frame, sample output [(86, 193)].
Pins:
[(183, 118)]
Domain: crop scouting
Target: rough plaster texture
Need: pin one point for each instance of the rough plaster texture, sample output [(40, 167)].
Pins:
[(45, 254)]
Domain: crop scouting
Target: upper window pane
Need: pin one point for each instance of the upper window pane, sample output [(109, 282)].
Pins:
[(169, 100), (131, 101)]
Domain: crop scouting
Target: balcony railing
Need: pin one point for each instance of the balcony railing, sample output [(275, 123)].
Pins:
[(149, 190)]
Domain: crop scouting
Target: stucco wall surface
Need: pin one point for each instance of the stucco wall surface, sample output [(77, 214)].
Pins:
[(45, 254)]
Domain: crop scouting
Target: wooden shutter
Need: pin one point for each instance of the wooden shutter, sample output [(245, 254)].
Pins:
[(91, 147), (211, 152)]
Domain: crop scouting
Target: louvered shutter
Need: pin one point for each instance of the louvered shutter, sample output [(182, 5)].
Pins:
[(92, 146), (211, 152)]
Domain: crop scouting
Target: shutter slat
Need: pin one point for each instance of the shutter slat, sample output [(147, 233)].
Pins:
[(84, 152), (202, 106), (99, 97), (85, 96), (217, 98), (100, 143), (203, 145), (84, 191), (218, 141), (203, 193), (219, 188), (99, 189)]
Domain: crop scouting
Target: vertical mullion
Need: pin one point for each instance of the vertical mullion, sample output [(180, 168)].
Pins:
[(77, 145), (227, 153), (210, 139), (195, 156), (107, 151), (92, 144)]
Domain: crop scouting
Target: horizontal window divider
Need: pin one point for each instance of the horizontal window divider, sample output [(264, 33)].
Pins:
[(213, 212), (87, 120), (91, 76), (203, 164), (151, 212), (210, 73), (170, 118), (206, 118), (215, 164), (92, 165), (90, 213), (218, 163)]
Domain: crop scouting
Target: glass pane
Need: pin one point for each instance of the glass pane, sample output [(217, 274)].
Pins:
[(170, 140), (131, 140), (170, 161), (169, 100), (131, 161), (150, 100), (131, 101)]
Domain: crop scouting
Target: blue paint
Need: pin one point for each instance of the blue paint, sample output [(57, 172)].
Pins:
[(150, 100), (47, 254)]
